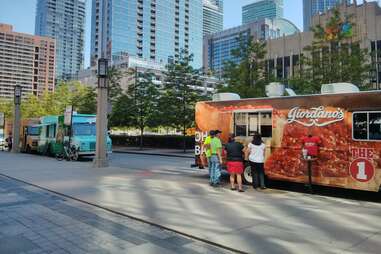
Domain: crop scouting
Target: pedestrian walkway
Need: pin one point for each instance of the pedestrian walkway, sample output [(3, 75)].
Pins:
[(260, 222), (155, 151), (34, 221)]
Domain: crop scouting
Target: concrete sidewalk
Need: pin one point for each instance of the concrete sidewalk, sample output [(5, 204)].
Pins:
[(254, 222), (154, 151), (35, 221)]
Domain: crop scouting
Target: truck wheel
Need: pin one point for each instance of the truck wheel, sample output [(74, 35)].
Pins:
[(247, 178)]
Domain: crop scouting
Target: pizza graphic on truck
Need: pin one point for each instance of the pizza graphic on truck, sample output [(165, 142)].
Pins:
[(348, 124)]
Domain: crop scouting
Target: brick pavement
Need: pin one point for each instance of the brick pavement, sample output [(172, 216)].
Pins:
[(34, 221)]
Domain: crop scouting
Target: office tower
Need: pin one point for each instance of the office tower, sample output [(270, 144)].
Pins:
[(25, 60), (155, 30), (213, 16), (313, 7), (262, 9), (218, 47), (63, 20)]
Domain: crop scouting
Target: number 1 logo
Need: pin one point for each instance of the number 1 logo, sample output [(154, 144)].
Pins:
[(361, 170)]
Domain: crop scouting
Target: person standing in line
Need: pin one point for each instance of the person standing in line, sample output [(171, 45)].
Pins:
[(234, 151), (207, 148), (215, 159), (256, 151)]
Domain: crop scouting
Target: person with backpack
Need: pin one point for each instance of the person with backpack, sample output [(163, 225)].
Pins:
[(256, 151)]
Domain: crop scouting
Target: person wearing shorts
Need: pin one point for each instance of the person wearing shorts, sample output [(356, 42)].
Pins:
[(234, 164)]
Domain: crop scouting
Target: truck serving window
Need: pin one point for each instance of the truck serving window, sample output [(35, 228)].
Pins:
[(246, 124), (367, 126)]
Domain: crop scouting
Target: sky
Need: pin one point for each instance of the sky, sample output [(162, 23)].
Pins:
[(21, 14)]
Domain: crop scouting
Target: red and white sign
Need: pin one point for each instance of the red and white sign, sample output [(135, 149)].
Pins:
[(362, 170)]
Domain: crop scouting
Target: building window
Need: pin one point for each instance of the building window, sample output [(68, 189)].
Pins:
[(367, 126)]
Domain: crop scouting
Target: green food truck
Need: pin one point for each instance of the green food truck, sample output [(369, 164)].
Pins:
[(81, 134)]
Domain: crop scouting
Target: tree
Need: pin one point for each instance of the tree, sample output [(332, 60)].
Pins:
[(6, 107), (179, 95), (82, 98), (138, 107), (88, 102), (334, 56), (247, 77), (114, 76)]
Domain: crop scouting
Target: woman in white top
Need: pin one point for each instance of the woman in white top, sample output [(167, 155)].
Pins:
[(256, 151)]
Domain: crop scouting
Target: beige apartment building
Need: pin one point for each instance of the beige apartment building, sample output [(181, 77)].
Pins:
[(25, 60), (283, 54)]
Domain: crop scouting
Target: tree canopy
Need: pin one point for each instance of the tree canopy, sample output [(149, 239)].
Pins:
[(247, 77), (334, 56)]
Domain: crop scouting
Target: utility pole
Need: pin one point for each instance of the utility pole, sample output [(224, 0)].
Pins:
[(16, 120)]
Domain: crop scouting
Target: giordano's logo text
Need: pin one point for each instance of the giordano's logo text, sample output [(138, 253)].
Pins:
[(315, 116)]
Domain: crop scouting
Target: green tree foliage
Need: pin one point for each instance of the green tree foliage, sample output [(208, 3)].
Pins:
[(114, 76), (83, 99), (334, 56), (138, 107), (179, 96), (6, 107), (247, 78)]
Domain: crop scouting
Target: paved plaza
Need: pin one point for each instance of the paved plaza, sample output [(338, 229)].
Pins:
[(168, 192), (34, 221)]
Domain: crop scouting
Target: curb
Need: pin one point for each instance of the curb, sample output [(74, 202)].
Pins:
[(156, 154)]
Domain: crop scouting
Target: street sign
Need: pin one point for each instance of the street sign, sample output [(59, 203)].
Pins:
[(2, 119), (68, 115)]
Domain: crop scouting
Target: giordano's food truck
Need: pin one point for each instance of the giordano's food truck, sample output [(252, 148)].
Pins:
[(349, 125)]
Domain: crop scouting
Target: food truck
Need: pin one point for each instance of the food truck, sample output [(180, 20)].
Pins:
[(81, 134), (30, 137), (348, 124)]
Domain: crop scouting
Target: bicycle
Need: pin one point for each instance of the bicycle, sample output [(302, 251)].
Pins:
[(70, 153)]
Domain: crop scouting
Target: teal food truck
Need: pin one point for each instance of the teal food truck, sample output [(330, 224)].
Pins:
[(81, 134)]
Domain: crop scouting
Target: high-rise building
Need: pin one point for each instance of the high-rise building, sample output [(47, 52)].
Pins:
[(63, 20), (313, 7), (155, 30), (25, 60), (213, 16), (284, 54), (261, 9), (218, 47)]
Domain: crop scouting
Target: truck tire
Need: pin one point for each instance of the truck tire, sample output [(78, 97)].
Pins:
[(246, 176)]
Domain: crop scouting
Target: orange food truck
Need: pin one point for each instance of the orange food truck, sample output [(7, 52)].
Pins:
[(348, 124)]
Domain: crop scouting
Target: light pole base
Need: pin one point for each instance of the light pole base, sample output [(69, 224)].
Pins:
[(100, 163)]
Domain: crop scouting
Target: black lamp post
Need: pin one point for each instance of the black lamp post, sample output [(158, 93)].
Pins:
[(18, 95), (16, 120)]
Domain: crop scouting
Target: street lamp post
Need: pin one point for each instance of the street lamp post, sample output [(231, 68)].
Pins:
[(100, 160), (16, 120)]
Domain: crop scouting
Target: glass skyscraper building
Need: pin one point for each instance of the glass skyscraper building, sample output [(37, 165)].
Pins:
[(155, 30), (313, 7), (262, 9), (213, 16), (218, 47), (63, 20)]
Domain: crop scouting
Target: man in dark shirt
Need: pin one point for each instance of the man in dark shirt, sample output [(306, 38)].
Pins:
[(235, 166)]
